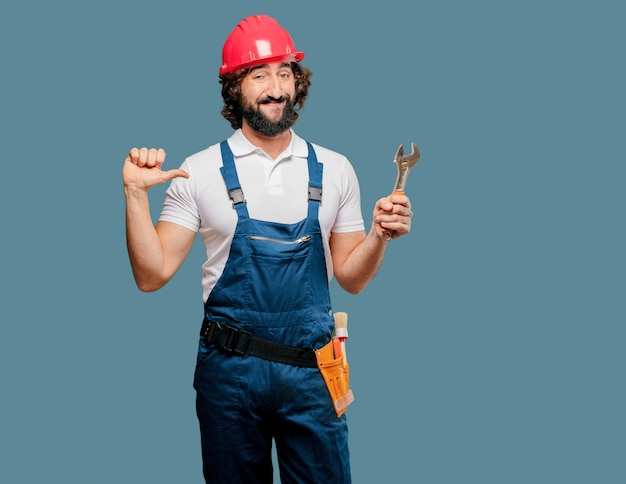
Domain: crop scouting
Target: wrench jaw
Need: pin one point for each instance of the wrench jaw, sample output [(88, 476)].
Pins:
[(410, 159), (405, 163), (399, 153)]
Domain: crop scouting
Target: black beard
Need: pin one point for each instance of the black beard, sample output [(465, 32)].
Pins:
[(258, 122)]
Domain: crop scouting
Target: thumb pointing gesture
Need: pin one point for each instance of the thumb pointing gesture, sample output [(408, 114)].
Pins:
[(142, 168)]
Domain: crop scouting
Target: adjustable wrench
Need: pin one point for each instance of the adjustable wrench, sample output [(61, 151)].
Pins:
[(404, 163)]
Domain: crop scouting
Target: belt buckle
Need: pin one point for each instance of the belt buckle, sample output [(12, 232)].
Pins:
[(236, 341)]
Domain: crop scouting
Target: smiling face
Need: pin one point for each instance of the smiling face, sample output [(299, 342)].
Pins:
[(267, 103)]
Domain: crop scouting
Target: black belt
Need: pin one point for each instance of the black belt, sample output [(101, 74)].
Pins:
[(241, 342)]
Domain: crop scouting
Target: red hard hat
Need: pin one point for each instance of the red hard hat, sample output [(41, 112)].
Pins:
[(256, 40)]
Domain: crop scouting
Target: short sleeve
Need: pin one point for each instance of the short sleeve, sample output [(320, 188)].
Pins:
[(180, 205)]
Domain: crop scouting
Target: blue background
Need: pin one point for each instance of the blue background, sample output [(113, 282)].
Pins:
[(489, 348)]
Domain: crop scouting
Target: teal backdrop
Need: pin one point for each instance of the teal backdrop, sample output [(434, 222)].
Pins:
[(490, 347)]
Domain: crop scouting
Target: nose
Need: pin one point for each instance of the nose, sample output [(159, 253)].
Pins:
[(273, 87)]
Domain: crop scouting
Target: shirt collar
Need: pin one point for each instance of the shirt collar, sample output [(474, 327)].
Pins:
[(240, 146)]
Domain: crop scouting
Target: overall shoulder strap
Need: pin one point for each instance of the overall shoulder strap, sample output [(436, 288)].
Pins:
[(229, 173), (315, 182)]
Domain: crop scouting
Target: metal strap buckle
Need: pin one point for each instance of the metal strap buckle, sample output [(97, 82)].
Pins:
[(236, 195), (315, 193)]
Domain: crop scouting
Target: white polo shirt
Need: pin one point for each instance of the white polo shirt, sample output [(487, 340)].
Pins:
[(275, 190)]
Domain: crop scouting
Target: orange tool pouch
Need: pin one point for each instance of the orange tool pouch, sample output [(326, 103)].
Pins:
[(337, 377)]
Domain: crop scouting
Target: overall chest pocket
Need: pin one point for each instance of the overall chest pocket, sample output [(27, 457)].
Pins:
[(279, 273)]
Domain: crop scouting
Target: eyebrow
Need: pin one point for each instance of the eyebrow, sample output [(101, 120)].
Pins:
[(264, 66)]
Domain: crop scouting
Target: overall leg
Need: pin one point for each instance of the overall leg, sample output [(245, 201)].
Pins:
[(236, 440), (311, 442)]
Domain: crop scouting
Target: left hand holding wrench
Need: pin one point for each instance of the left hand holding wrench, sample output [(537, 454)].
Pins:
[(393, 213)]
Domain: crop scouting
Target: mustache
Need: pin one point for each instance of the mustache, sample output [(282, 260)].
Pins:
[(270, 99)]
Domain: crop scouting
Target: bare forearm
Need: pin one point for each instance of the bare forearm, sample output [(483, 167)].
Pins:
[(155, 253), (144, 247), (357, 257), (361, 265)]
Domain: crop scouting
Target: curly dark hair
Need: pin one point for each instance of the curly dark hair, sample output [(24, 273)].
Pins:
[(231, 92)]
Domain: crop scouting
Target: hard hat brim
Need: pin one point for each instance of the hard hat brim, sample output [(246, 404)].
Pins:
[(296, 57)]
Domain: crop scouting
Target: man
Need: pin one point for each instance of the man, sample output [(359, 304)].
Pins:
[(273, 239)]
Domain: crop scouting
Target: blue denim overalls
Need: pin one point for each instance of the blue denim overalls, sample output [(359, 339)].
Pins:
[(275, 286)]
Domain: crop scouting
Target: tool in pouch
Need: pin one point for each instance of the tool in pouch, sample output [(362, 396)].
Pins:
[(404, 163), (333, 365)]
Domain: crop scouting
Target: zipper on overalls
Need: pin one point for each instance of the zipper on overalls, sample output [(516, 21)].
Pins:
[(306, 238)]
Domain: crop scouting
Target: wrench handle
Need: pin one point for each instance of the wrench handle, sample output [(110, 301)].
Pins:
[(387, 235)]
